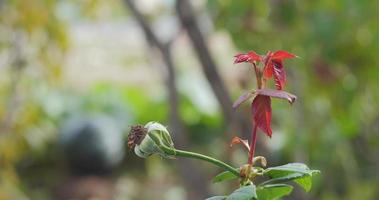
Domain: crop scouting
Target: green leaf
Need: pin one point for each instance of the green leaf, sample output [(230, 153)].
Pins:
[(305, 182), (285, 178), (224, 176), (297, 172), (273, 191), (243, 193), (216, 198), (290, 167)]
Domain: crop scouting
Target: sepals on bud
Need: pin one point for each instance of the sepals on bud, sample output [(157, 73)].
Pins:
[(262, 159), (150, 139)]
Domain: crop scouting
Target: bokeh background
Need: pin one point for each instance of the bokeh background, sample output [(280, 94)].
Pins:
[(74, 75)]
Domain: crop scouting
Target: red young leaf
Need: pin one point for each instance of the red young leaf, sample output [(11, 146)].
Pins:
[(261, 111), (279, 74), (281, 55), (274, 66), (244, 97), (277, 94), (238, 140), (247, 57), (268, 70)]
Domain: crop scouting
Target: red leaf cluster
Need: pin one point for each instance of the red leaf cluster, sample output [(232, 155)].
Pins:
[(247, 57), (261, 105), (274, 66)]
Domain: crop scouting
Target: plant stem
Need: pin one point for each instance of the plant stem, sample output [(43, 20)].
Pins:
[(258, 76), (176, 152), (188, 154), (252, 145)]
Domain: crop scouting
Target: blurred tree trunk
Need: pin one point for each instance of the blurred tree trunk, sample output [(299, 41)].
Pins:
[(191, 174), (188, 20)]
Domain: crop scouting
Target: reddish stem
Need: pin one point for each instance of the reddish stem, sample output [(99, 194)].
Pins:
[(258, 76), (252, 145)]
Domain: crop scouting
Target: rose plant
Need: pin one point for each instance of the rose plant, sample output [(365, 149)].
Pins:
[(154, 138)]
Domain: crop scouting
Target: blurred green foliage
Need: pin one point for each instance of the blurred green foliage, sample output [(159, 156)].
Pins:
[(31, 35)]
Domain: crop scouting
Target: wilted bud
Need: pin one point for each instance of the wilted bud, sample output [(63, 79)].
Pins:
[(262, 159), (150, 139)]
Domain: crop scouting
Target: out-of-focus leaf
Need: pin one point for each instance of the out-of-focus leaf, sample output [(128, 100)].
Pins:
[(244, 97), (305, 182), (216, 198), (243, 193), (277, 94), (285, 178), (238, 140), (273, 191), (297, 172), (224, 176)]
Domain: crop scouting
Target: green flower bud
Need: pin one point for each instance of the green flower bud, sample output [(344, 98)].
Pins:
[(150, 139)]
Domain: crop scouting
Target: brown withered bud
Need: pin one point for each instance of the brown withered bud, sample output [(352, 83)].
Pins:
[(136, 135)]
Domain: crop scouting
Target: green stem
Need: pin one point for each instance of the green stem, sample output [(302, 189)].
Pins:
[(188, 154), (176, 152)]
